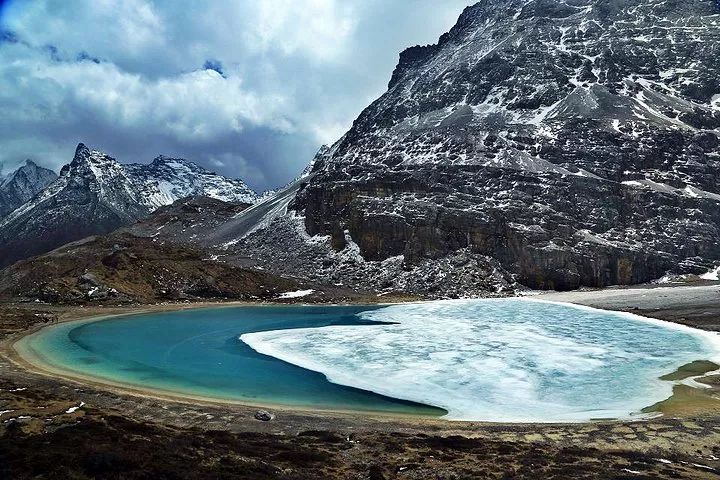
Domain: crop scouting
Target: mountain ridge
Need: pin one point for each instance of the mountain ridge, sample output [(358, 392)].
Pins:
[(23, 184), (538, 144), (569, 143), (95, 194)]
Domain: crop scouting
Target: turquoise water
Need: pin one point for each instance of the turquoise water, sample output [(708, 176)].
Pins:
[(198, 352), (495, 360)]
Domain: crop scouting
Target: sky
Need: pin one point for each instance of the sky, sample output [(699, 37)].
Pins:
[(247, 88)]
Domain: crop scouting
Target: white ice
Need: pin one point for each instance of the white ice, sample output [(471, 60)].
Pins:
[(76, 408), (500, 360), (711, 275)]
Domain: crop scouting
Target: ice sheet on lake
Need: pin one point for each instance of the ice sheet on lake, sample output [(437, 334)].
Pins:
[(500, 360), (711, 275)]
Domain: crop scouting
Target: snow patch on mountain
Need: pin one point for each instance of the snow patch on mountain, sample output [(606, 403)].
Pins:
[(136, 190)]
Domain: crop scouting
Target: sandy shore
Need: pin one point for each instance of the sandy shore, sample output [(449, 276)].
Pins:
[(23, 355), (695, 306)]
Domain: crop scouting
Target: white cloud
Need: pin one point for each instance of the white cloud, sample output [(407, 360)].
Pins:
[(197, 105), (329, 133), (118, 29), (134, 21), (250, 172), (295, 75), (317, 28)]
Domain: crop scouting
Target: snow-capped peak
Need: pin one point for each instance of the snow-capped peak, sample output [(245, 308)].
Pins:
[(95, 194), (132, 191), (176, 178), (22, 185), (152, 185)]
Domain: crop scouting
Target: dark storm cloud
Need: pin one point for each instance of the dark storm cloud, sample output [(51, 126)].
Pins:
[(246, 88), (214, 65)]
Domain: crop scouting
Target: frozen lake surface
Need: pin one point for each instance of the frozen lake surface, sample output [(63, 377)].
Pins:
[(496, 360), (511, 360)]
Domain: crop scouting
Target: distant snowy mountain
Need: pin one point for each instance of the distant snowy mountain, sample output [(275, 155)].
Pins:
[(22, 185), (168, 179), (95, 194)]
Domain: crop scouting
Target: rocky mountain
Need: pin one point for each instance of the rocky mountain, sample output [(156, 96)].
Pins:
[(540, 143), (545, 143), (95, 194), (122, 268), (160, 258), (168, 179), (22, 185)]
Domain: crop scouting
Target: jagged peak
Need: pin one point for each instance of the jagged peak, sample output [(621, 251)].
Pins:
[(418, 54), (84, 154), (179, 164), (87, 162), (32, 166), (29, 169), (317, 161), (164, 160), (81, 151), (324, 149), (409, 58)]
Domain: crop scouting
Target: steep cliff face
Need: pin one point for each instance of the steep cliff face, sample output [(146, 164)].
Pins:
[(574, 142), (22, 185), (95, 194)]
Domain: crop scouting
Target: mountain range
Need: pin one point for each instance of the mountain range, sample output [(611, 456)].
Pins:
[(540, 143), (95, 194)]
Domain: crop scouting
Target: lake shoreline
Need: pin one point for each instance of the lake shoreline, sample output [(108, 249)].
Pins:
[(21, 352), (8, 348), (66, 418)]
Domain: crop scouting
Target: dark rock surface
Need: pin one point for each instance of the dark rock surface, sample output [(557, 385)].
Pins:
[(122, 268), (575, 143), (264, 416)]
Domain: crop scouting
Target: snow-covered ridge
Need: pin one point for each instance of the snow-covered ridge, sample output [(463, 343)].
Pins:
[(23, 184), (170, 179), (633, 67), (135, 190), (95, 194), (575, 142)]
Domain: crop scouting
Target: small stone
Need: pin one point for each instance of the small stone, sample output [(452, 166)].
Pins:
[(264, 416), (89, 279)]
